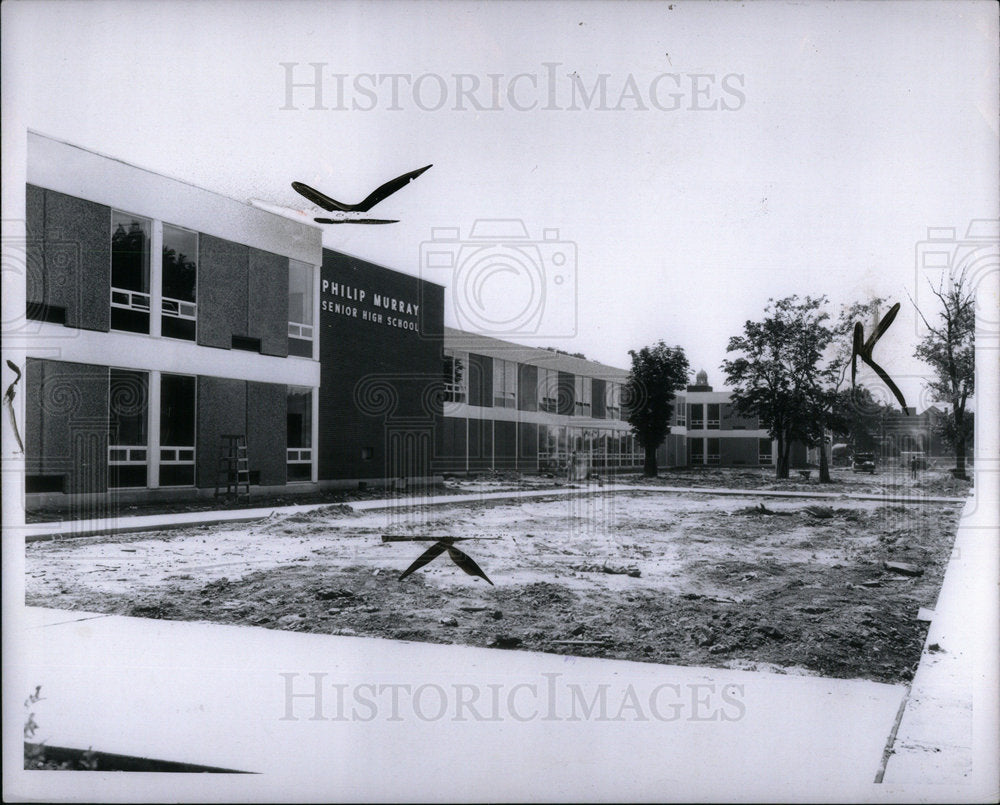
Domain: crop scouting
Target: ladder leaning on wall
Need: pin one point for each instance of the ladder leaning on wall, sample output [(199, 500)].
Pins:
[(234, 470)]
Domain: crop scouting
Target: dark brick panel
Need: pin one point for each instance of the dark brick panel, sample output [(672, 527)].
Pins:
[(267, 314), (527, 433), (35, 233), (222, 291), (66, 428), (222, 405), (378, 380), (505, 445), (72, 266), (599, 389), (527, 387), (267, 431), (566, 399), (481, 380)]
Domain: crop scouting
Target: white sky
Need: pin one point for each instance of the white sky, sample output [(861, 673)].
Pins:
[(862, 125)]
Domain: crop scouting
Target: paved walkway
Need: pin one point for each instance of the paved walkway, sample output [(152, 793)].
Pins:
[(114, 525), (948, 739), (315, 716)]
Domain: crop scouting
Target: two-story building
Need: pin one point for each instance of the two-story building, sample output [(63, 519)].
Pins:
[(508, 406), (167, 318), (718, 436)]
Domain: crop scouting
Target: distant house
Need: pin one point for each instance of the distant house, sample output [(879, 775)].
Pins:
[(716, 435), (901, 432)]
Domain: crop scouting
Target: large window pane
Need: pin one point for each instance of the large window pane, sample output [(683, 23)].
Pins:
[(300, 308), (130, 237), (456, 385), (300, 292), (504, 383), (697, 416), (180, 282), (548, 390), (299, 434), (712, 418), (128, 429), (177, 410), (583, 395), (129, 406), (180, 263)]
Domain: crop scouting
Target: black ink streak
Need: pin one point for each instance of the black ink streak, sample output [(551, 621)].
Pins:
[(375, 197), (8, 399), (863, 349), (461, 559)]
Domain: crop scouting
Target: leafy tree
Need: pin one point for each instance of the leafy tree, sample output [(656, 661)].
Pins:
[(850, 412), (949, 349), (857, 418), (779, 375), (658, 373)]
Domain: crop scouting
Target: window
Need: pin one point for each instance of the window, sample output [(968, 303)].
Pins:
[(713, 416), (602, 449), (763, 451), (299, 458), (696, 450), (582, 395), (548, 390), (679, 415), (128, 430), (552, 446), (300, 309), (179, 283), (504, 383), (613, 400), (130, 237), (456, 379), (177, 426), (713, 452), (697, 416)]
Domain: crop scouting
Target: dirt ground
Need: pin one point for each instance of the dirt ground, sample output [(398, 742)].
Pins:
[(488, 481), (691, 579), (888, 480)]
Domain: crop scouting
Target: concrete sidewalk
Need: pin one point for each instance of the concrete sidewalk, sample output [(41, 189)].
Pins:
[(948, 734), (315, 716), (117, 525)]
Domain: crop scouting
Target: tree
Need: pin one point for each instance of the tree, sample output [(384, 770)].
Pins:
[(779, 376), (949, 349), (658, 373), (858, 418), (854, 412)]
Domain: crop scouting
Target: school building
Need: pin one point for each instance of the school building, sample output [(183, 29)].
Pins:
[(183, 341)]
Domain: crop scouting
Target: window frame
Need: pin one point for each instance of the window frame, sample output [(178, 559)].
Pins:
[(302, 332), (127, 298), (181, 303)]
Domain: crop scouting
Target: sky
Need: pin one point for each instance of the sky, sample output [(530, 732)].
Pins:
[(741, 151)]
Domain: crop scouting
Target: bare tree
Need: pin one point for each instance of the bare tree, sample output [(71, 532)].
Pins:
[(949, 349)]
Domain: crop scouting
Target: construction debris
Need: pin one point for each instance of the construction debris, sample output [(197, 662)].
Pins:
[(630, 570), (904, 569)]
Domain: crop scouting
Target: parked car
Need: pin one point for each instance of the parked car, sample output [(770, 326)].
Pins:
[(864, 462)]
